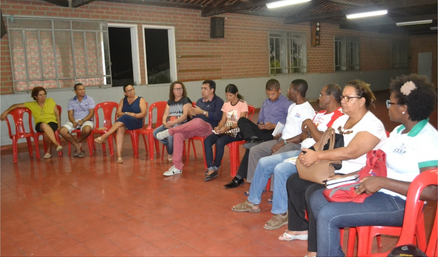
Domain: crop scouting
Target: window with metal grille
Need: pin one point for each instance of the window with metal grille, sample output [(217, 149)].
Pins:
[(346, 53), (399, 54), (58, 53), (287, 53)]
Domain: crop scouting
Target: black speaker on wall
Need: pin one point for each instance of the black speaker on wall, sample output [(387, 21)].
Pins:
[(3, 28), (217, 29)]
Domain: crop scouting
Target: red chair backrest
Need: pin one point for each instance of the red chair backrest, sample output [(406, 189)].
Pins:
[(414, 205), (161, 107), (17, 116), (107, 109), (251, 111)]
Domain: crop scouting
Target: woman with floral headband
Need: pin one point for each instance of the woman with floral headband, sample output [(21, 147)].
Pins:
[(410, 149)]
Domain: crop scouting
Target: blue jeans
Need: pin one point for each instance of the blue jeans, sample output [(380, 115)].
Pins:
[(282, 170), (168, 142), (379, 209), (221, 141)]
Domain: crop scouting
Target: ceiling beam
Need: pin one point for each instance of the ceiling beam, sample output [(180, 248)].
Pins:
[(63, 3), (346, 3), (78, 3), (212, 10), (159, 3), (341, 13)]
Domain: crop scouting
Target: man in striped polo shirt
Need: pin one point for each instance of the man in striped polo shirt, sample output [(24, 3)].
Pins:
[(80, 115)]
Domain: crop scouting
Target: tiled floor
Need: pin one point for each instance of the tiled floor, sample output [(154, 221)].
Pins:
[(93, 206)]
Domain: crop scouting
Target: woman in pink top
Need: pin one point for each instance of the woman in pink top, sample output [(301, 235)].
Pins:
[(227, 130)]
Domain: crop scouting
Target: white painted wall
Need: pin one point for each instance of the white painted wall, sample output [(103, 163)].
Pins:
[(253, 89)]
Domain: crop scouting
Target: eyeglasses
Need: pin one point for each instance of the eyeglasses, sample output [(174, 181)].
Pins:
[(388, 103), (177, 88), (129, 91), (321, 95), (347, 98)]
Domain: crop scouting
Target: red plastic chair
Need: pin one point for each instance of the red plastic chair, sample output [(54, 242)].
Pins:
[(134, 137), (148, 131), (20, 132), (58, 139), (413, 230), (108, 108), (234, 147)]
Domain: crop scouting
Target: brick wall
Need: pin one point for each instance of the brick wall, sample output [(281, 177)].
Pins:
[(421, 44), (243, 53)]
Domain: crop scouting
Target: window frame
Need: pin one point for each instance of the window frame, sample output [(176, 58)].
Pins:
[(347, 61), (134, 48), (286, 39), (172, 51), (102, 58)]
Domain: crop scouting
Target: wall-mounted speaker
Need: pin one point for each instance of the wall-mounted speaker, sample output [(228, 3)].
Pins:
[(2, 25), (217, 29), (316, 30)]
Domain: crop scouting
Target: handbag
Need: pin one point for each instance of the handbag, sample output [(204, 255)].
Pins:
[(375, 166), (321, 170)]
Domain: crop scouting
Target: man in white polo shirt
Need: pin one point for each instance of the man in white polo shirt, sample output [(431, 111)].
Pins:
[(80, 115)]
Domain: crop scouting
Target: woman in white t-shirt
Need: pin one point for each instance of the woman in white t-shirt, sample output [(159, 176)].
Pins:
[(362, 132), (227, 130), (410, 149)]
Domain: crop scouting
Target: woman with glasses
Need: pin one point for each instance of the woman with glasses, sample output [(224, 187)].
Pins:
[(410, 149), (362, 132), (131, 112), (176, 113)]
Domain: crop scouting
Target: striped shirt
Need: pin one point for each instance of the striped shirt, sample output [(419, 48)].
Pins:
[(81, 109)]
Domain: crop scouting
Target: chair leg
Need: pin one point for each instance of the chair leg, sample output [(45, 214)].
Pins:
[(90, 144), (37, 148), (15, 149), (351, 240), (29, 146), (152, 142)]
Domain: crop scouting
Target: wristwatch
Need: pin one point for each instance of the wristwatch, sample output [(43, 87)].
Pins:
[(205, 113), (285, 141)]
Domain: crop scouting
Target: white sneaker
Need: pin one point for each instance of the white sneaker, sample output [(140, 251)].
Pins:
[(163, 134), (172, 171)]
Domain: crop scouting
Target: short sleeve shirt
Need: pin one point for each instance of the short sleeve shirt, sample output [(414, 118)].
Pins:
[(407, 153), (81, 109), (45, 114), (233, 112), (369, 123)]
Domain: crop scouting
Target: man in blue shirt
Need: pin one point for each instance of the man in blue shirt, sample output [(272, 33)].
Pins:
[(205, 116), (80, 115), (274, 110)]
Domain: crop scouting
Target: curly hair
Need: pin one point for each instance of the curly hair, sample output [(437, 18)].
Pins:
[(36, 91), (420, 101), (363, 90)]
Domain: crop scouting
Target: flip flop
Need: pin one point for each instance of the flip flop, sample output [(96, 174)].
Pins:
[(288, 237)]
